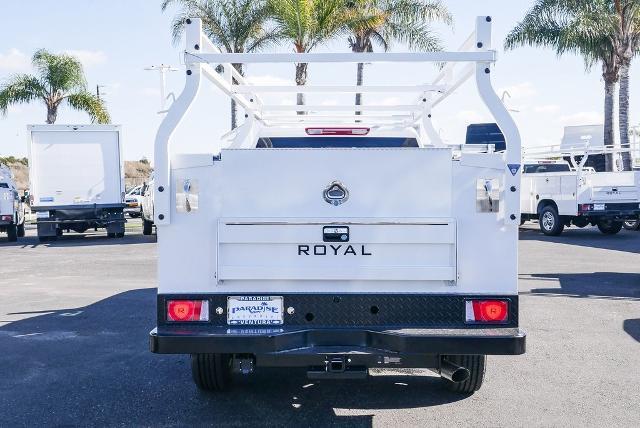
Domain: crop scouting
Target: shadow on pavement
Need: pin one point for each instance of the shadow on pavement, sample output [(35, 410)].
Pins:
[(92, 366), (632, 328), (596, 284), (81, 240), (628, 241)]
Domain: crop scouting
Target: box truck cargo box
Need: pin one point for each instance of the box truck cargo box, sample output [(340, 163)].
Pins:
[(76, 178)]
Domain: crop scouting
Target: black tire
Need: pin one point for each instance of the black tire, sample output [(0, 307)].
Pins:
[(147, 227), (21, 230), (550, 222), (609, 227), (476, 364), (120, 235), (12, 233), (631, 224), (211, 372), (111, 234)]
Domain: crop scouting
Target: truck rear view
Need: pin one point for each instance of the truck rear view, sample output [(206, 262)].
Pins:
[(336, 241), (76, 179)]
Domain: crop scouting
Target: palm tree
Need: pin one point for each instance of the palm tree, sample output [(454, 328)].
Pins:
[(602, 31), (307, 24), (234, 26), (59, 78), (627, 38), (381, 22)]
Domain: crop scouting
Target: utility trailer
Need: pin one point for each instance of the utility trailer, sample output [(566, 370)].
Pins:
[(559, 194), (338, 241), (76, 179), (11, 206)]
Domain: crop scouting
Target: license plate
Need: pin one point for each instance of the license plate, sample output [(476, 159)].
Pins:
[(254, 310), (42, 214), (598, 207)]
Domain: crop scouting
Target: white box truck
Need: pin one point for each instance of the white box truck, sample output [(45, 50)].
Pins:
[(12, 213), (76, 179), (338, 241)]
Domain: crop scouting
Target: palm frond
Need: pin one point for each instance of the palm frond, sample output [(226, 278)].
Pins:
[(63, 73), (90, 104), (21, 88)]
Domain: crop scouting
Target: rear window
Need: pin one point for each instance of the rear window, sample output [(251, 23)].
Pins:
[(331, 142), (548, 167)]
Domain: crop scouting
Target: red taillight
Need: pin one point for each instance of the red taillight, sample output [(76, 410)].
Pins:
[(585, 207), (487, 311), (187, 310), (6, 217), (337, 131)]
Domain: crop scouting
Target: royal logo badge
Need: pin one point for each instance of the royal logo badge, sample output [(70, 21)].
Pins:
[(513, 168)]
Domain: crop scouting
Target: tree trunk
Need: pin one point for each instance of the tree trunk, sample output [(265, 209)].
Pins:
[(623, 112), (52, 114), (301, 80), (359, 78), (609, 94)]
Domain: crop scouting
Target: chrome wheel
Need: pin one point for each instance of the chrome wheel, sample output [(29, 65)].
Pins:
[(548, 221)]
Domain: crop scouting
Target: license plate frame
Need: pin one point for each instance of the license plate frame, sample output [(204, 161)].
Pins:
[(599, 207), (255, 310)]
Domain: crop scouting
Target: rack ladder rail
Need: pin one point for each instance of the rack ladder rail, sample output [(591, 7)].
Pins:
[(540, 153), (476, 53)]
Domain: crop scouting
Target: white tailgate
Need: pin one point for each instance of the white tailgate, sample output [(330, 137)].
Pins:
[(75, 167), (614, 186), (294, 250)]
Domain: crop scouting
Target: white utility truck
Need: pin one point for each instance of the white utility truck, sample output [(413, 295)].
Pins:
[(558, 193), (146, 210), (76, 179), (11, 206), (338, 241)]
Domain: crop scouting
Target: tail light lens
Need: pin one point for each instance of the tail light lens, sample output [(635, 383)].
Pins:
[(7, 217), (586, 207), (187, 310), (487, 311)]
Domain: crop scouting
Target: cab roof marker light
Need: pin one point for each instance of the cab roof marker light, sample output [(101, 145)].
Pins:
[(337, 131)]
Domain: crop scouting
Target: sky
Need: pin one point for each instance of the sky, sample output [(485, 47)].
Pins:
[(117, 39)]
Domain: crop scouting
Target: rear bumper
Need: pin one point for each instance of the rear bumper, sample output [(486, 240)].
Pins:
[(405, 324), (489, 341), (613, 210)]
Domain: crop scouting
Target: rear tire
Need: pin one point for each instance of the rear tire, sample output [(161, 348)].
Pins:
[(476, 364), (631, 224), (147, 227), (550, 222), (12, 233), (211, 372), (21, 230), (609, 227), (111, 234)]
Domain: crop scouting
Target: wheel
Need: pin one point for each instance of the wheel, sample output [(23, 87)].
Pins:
[(550, 223), (608, 226), (211, 372), (120, 235), (21, 230), (476, 364), (111, 234), (12, 233), (631, 224), (147, 227)]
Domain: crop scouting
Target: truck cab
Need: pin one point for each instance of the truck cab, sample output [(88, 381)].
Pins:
[(12, 211), (335, 241)]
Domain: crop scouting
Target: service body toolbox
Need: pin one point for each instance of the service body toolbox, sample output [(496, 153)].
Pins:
[(76, 178), (334, 241)]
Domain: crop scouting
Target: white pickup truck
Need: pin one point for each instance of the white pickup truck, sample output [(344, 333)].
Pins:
[(558, 194), (337, 241), (11, 206)]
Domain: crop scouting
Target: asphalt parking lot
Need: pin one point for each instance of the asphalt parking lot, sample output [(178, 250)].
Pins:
[(75, 316)]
